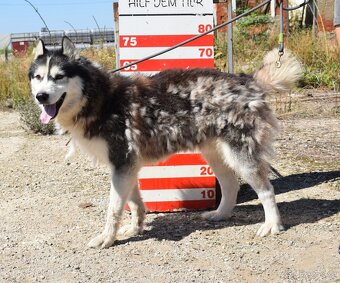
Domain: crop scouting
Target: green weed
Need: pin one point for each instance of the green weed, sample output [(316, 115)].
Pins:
[(321, 62)]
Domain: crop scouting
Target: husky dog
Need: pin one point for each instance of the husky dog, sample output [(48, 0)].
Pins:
[(128, 121)]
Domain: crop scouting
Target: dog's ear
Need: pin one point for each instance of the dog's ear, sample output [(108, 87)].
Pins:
[(39, 49), (68, 48)]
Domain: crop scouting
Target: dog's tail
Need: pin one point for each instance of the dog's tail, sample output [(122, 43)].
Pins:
[(278, 79)]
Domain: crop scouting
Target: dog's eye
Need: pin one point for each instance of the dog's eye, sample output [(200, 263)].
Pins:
[(38, 77), (59, 77)]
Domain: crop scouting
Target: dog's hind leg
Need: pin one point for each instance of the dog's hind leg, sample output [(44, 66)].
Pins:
[(137, 209), (265, 192), (228, 181), (121, 186), (255, 173)]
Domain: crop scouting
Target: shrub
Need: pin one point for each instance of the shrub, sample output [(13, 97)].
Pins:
[(253, 36), (321, 62), (29, 116), (254, 27)]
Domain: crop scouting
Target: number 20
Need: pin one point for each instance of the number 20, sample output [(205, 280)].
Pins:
[(206, 171)]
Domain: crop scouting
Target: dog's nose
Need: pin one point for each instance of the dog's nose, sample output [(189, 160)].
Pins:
[(42, 97)]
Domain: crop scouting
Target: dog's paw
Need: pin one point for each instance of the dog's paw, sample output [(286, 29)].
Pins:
[(130, 231), (266, 228), (102, 241), (215, 216)]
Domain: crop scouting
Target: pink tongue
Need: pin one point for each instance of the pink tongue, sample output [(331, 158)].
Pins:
[(48, 112)]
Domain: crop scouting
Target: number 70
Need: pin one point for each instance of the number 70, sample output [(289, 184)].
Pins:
[(205, 52)]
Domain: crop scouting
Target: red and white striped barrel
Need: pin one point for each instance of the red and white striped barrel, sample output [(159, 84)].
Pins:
[(184, 181)]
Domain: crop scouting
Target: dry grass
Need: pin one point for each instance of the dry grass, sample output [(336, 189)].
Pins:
[(321, 63), (318, 56), (14, 84), (105, 56), (14, 81)]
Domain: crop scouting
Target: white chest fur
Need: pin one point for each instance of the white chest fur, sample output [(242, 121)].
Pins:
[(95, 147)]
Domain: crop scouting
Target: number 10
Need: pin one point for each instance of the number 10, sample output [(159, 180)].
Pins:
[(208, 194)]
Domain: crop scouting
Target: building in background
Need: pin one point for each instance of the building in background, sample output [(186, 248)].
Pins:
[(20, 42)]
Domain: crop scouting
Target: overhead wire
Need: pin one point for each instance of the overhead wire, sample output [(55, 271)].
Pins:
[(280, 2), (191, 39), (58, 3), (295, 7)]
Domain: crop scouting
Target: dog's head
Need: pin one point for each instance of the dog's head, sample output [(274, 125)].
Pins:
[(55, 83)]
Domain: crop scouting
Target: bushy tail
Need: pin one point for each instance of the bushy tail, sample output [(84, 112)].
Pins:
[(274, 79)]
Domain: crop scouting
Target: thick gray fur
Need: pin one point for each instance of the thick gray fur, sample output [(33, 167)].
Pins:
[(128, 121)]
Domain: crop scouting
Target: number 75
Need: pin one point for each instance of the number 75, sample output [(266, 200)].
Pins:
[(129, 41)]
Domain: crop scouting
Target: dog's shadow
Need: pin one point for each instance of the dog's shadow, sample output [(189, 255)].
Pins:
[(176, 226)]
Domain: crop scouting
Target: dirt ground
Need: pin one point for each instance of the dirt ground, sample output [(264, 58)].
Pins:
[(44, 230)]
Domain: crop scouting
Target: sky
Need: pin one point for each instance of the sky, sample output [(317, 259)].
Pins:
[(18, 16)]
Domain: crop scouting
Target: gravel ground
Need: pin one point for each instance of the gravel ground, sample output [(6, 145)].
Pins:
[(44, 228)]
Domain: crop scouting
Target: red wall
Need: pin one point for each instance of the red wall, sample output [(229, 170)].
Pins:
[(20, 47)]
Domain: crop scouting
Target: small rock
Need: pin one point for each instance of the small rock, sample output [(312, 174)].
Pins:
[(85, 204)]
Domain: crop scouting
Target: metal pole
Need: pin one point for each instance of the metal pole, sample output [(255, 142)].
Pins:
[(116, 22), (6, 52), (73, 30), (281, 42), (315, 17), (272, 8), (287, 19), (230, 39)]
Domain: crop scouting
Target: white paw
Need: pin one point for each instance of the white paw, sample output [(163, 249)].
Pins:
[(215, 215), (102, 241), (130, 231), (266, 228)]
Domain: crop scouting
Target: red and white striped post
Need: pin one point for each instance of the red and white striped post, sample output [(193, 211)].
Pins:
[(184, 181)]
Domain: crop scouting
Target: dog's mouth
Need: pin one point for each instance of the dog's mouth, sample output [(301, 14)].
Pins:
[(50, 111)]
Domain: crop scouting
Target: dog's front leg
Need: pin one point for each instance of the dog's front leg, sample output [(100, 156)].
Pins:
[(123, 181)]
